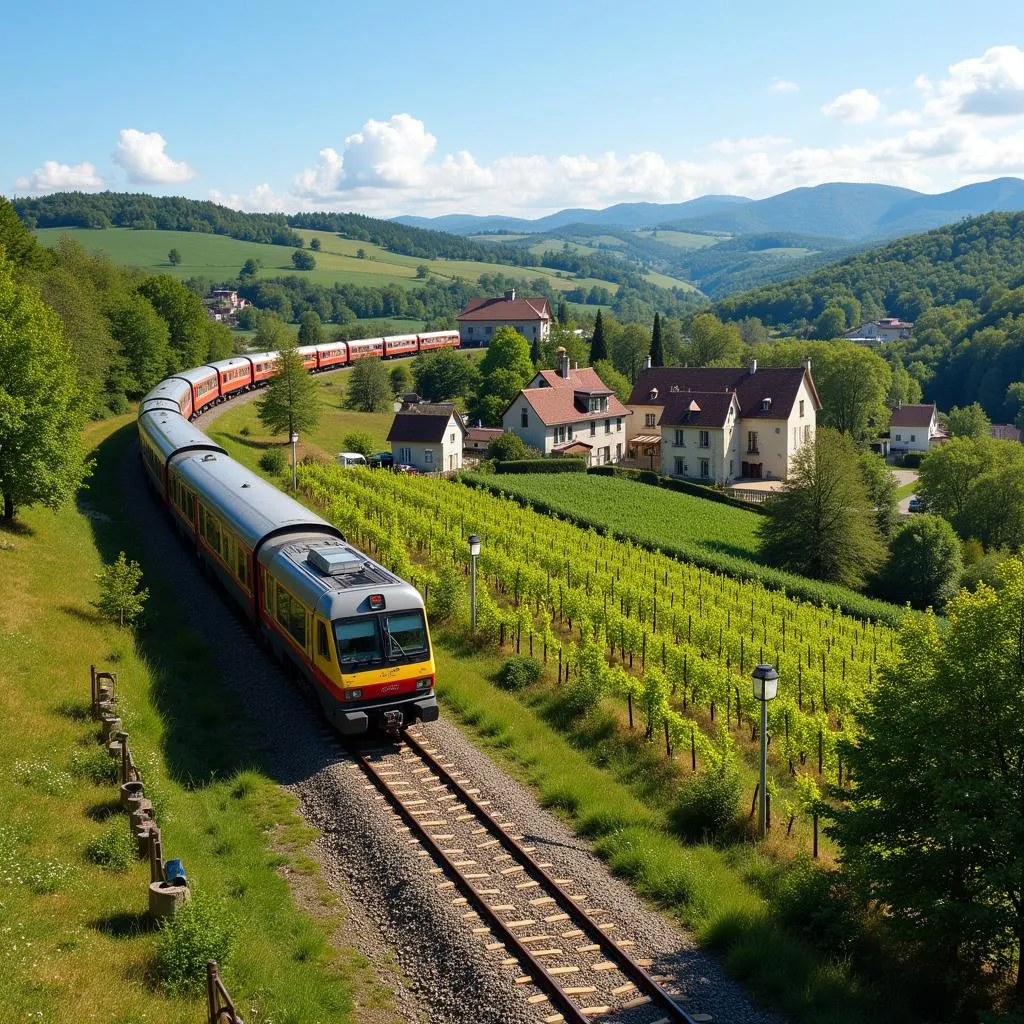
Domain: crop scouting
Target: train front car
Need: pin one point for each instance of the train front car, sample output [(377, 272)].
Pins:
[(369, 648)]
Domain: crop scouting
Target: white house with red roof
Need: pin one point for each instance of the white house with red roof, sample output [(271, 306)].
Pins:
[(569, 411), (915, 428), (876, 332), (722, 423), (482, 317)]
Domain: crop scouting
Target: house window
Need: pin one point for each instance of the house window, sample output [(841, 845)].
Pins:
[(560, 432), (608, 426), (607, 453), (680, 467), (807, 432), (524, 419), (469, 330), (649, 419), (705, 468), (428, 456), (570, 432), (490, 329), (801, 408), (899, 437), (679, 441), (705, 439), (535, 330), (405, 456), (593, 427), (752, 442), (913, 438), (618, 452), (618, 422), (451, 439)]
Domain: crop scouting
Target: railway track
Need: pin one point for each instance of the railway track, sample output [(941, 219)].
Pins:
[(569, 959)]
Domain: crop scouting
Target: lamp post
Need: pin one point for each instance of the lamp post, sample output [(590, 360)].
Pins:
[(295, 441), (474, 550), (766, 686)]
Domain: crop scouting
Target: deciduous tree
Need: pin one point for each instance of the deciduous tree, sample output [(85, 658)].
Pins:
[(969, 421), (311, 330), (630, 350), (369, 387), (924, 565), (174, 257), (302, 260), (358, 441), (712, 343), (443, 375), (401, 379), (291, 401), (121, 601)]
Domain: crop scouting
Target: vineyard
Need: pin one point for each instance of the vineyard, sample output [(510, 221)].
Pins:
[(673, 642)]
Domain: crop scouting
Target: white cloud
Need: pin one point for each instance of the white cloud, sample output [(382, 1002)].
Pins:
[(752, 145), (144, 156), (903, 119), (783, 85), (991, 85), (57, 177), (261, 199), (857, 106)]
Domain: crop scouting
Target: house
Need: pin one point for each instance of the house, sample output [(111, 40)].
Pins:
[(720, 424), (429, 437), (569, 411), (915, 428), (1004, 432), (478, 439), (877, 332), (482, 317)]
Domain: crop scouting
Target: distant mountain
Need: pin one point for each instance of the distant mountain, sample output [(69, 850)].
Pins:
[(621, 215), (860, 212)]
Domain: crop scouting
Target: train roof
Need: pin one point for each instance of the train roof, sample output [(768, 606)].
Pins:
[(438, 334), (251, 507), (171, 433), (196, 374), (330, 345), (334, 577), (230, 364), (172, 388), (401, 337), (306, 350), (259, 357)]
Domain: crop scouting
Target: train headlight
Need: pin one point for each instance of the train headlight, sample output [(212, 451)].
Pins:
[(353, 694), (425, 684)]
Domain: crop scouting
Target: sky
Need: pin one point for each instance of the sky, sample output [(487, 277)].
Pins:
[(392, 107)]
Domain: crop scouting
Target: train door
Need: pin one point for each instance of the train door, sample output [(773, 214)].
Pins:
[(323, 660)]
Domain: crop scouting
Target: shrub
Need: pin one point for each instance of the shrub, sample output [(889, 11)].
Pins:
[(114, 849), (648, 476), (359, 441), (96, 765), (200, 931), (816, 904), (245, 431), (446, 594), (542, 466), (273, 461), (706, 808), (912, 460), (605, 470), (508, 448), (518, 672)]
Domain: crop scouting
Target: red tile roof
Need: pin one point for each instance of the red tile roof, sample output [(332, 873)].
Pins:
[(484, 433), (506, 309), (912, 416), (555, 402)]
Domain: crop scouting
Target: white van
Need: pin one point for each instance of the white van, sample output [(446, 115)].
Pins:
[(349, 459)]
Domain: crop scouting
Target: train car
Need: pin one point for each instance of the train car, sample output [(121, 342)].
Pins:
[(365, 347), (400, 345), (331, 355), (163, 435), (205, 385), (308, 353), (438, 339), (234, 375), (172, 394), (264, 366), (358, 631)]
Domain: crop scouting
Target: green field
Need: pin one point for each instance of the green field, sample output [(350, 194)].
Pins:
[(660, 517), (664, 281), (220, 258), (681, 239)]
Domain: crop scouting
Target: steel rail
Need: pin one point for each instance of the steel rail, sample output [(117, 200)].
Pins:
[(626, 964)]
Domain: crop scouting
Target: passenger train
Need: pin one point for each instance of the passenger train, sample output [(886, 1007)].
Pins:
[(354, 630)]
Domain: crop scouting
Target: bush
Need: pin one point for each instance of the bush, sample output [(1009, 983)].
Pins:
[(814, 903), (358, 441), (542, 466), (706, 808), (273, 461), (912, 460), (446, 594), (114, 850), (518, 672), (245, 431), (96, 765), (201, 930), (648, 476), (508, 448)]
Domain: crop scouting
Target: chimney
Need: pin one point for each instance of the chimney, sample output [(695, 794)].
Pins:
[(807, 363), (510, 295), (575, 364), (647, 361), (562, 358), (752, 367)]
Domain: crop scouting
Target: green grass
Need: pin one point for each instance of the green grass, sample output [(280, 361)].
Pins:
[(664, 281), (653, 514), (75, 941), (682, 239), (906, 490)]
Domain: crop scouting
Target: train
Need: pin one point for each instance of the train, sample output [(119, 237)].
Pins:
[(216, 382), (352, 629)]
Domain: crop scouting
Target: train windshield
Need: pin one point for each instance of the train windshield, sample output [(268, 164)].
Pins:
[(407, 634), (359, 642), (372, 640)]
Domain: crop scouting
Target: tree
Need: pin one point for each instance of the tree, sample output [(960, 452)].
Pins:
[(821, 524), (360, 254), (302, 260), (535, 355), (443, 375), (185, 316), (121, 601), (882, 490), (598, 345), (924, 566), (508, 448), (174, 257), (359, 441), (291, 402), (852, 382), (272, 334), (422, 272), (657, 350), (42, 458), (369, 387), (142, 338), (311, 331), (401, 379), (249, 269), (618, 382), (933, 826), (508, 350), (947, 473), (314, 244), (630, 350), (712, 343), (830, 324), (563, 312), (970, 421)]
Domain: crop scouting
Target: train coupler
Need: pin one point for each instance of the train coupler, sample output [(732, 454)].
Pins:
[(393, 720)]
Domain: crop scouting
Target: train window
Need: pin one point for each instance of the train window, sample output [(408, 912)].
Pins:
[(291, 615), (242, 565), (321, 641), (407, 632), (358, 641)]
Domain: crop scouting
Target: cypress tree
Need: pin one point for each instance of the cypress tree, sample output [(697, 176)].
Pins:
[(598, 346), (657, 351)]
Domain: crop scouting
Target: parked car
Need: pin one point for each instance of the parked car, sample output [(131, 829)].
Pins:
[(404, 467), (349, 459), (917, 505), (381, 460)]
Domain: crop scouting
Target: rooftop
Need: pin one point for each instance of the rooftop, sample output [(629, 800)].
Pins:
[(559, 399), (424, 424), (912, 416), (506, 308)]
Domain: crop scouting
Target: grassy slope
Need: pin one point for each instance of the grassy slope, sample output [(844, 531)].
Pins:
[(220, 257), (682, 239), (75, 943)]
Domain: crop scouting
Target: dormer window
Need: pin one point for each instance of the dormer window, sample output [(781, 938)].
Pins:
[(766, 405), (653, 394)]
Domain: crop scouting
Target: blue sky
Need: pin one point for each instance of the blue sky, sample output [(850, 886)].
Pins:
[(395, 107)]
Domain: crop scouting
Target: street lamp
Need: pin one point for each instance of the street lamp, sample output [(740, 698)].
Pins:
[(295, 441), (474, 550), (766, 686)]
